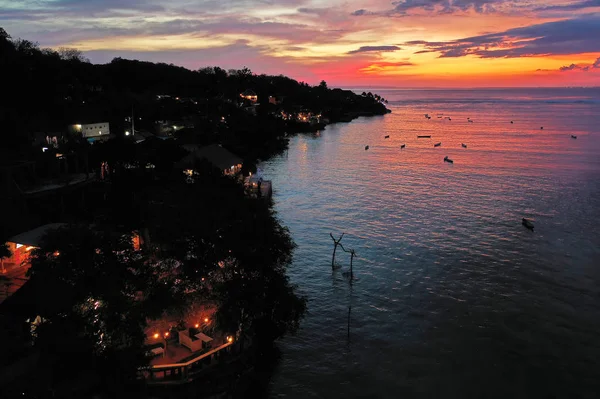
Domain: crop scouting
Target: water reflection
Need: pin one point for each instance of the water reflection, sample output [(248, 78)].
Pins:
[(454, 296)]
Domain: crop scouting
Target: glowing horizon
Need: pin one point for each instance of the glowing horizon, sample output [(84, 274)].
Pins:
[(410, 43)]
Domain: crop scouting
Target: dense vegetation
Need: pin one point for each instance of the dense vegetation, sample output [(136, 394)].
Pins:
[(203, 242), (58, 88)]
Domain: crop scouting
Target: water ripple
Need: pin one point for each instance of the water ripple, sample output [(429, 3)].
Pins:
[(454, 297)]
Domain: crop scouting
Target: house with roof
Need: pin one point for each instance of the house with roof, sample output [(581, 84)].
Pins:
[(92, 131), (14, 268), (223, 159), (249, 95)]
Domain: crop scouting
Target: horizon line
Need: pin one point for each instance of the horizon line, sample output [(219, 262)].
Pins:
[(347, 87)]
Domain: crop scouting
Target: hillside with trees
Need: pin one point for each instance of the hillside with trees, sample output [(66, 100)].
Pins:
[(56, 88)]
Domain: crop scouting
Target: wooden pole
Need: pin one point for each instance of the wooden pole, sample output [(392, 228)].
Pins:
[(335, 245), (349, 309), (352, 253)]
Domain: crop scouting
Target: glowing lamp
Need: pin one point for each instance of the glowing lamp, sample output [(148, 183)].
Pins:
[(156, 335), (127, 133), (229, 339), (197, 325), (206, 319), (167, 334)]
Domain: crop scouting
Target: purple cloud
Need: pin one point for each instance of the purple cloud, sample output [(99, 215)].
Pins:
[(571, 7), (360, 12), (584, 68), (573, 36), (403, 7), (366, 49)]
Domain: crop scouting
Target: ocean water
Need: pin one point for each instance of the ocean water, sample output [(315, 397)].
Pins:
[(453, 297)]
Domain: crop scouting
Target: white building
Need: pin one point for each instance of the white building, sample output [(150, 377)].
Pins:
[(93, 130)]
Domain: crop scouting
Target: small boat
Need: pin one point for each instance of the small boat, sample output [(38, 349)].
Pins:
[(542, 128), (470, 120), (387, 137), (439, 117), (527, 223), (446, 159), (573, 136), (366, 147), (511, 121), (464, 145), (426, 115), (437, 144), (429, 117), (423, 137), (403, 146)]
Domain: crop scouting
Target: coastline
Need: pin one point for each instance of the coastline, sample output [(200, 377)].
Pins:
[(253, 365)]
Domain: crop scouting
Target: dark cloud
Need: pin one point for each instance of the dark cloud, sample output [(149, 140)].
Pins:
[(571, 7), (573, 36), (403, 7), (366, 49), (585, 68), (316, 11), (362, 11)]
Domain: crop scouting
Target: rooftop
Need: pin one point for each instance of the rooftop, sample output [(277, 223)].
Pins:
[(34, 237), (215, 154)]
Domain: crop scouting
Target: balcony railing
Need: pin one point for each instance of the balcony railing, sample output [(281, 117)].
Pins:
[(177, 373)]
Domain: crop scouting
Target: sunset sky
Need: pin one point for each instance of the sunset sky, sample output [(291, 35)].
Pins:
[(351, 43)]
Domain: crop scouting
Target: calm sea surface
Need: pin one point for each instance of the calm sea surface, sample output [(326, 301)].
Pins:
[(454, 298)]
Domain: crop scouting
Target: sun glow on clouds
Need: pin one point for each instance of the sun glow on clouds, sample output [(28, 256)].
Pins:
[(401, 43)]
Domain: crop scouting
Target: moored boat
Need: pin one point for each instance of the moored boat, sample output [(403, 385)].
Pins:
[(446, 159), (528, 224), (437, 144)]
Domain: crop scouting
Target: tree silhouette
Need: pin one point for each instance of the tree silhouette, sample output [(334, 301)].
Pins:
[(96, 293)]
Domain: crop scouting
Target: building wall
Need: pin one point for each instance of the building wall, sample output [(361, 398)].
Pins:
[(92, 129)]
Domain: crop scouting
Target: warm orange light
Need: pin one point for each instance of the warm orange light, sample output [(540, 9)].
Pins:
[(197, 325), (167, 334), (56, 253), (229, 339), (156, 335), (29, 248), (206, 319)]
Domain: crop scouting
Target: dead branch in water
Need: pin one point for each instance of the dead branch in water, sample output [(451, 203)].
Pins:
[(335, 245)]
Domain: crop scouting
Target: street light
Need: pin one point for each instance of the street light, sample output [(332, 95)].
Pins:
[(127, 133)]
